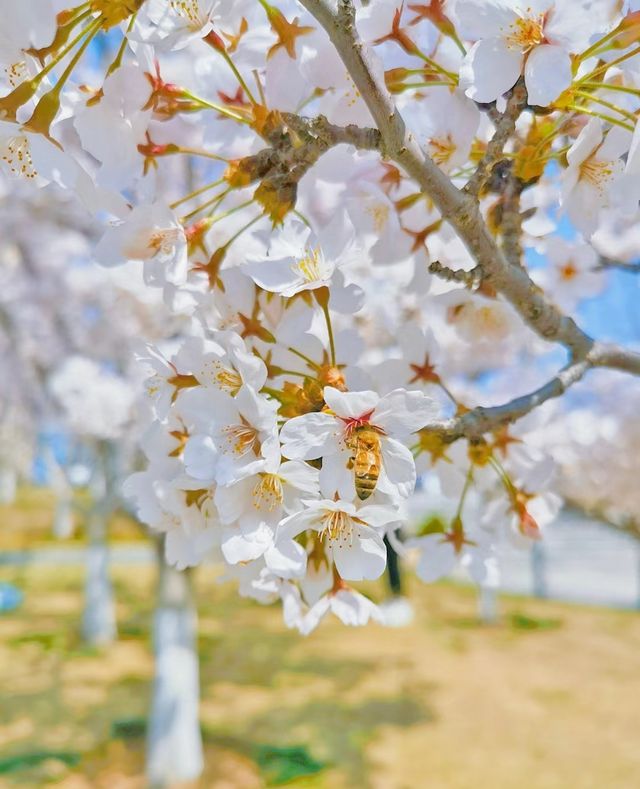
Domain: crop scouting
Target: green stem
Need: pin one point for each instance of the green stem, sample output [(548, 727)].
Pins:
[(52, 63), (233, 210), (272, 393), (598, 44), (310, 362), (205, 154), (606, 66), (609, 105), (217, 107), (282, 371), (241, 231), (601, 115), (465, 490), (446, 390), (433, 84), (302, 217), (327, 316), (609, 86), (437, 67), (238, 76), (196, 193), (215, 201), (504, 477), (117, 61)]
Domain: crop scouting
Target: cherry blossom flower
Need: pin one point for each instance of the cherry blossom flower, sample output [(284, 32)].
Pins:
[(446, 125), (537, 37), (176, 23), (572, 273), (222, 363), (323, 435), (31, 157), (241, 438), (595, 168), (153, 234), (439, 553), (353, 538), (297, 259), (268, 495), (111, 129), (351, 608)]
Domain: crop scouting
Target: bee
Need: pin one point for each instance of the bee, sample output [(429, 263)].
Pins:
[(364, 443)]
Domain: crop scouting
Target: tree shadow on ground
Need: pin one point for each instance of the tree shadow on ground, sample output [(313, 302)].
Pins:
[(334, 734)]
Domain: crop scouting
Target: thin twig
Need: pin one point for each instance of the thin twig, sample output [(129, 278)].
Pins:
[(607, 263), (505, 126), (469, 279)]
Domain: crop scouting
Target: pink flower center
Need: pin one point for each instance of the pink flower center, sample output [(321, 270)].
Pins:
[(352, 423)]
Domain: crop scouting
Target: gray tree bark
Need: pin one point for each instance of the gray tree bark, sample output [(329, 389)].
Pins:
[(99, 617), (488, 604), (174, 740)]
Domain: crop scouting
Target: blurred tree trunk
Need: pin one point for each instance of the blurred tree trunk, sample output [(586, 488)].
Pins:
[(394, 574), (8, 485), (63, 518), (488, 604), (539, 570), (174, 742), (98, 618)]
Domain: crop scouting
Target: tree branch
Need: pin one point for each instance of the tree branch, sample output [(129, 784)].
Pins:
[(469, 278), (614, 357), (511, 222), (605, 263), (481, 420), (505, 126), (460, 208), (456, 206), (475, 423), (328, 134), (295, 145)]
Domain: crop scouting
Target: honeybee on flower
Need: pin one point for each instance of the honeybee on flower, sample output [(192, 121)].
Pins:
[(336, 434)]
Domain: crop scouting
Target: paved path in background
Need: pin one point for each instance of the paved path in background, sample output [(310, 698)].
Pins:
[(580, 560), (66, 555)]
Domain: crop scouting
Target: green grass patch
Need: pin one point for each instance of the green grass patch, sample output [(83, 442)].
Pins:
[(520, 621), (280, 765), (27, 761)]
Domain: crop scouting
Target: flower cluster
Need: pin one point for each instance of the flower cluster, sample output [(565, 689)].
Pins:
[(351, 310)]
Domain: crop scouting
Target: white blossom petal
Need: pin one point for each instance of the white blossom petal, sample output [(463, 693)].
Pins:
[(489, 69), (306, 437), (547, 73), (402, 412), (364, 558)]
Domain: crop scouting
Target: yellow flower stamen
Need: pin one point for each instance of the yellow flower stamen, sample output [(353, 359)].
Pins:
[(596, 172), (310, 266), (241, 439), (526, 33), (268, 492), (189, 10), (16, 153), (441, 149), (338, 527)]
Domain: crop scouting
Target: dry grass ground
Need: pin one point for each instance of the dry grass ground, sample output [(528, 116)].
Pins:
[(28, 522), (546, 700)]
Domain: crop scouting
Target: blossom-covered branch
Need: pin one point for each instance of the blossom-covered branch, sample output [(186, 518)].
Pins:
[(346, 221), (457, 207)]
